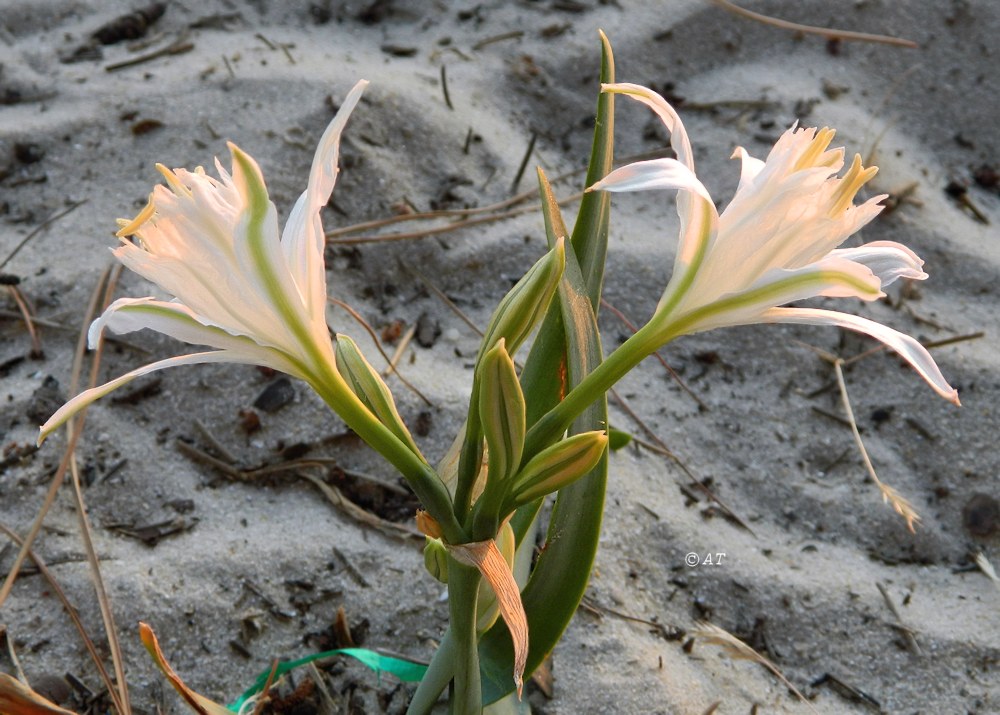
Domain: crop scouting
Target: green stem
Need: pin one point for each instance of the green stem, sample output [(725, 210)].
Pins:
[(629, 354), (463, 594), (424, 481), (436, 679)]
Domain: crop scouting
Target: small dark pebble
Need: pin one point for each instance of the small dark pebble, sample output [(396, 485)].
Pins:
[(987, 176), (145, 126), (275, 396), (399, 50), (181, 506), (981, 515), (130, 26), (45, 401), (28, 152), (428, 331), (9, 279), (423, 424)]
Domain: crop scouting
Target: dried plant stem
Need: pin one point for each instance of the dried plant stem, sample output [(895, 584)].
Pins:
[(60, 472), (73, 616), (826, 32), (74, 429), (29, 320), (899, 503), (714, 635)]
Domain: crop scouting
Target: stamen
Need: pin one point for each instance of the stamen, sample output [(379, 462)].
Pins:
[(816, 148), (175, 183), (127, 228), (856, 177)]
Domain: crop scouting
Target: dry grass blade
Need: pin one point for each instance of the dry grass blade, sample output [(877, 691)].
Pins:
[(73, 616), (908, 633), (16, 698), (262, 702), (74, 429), (29, 320), (39, 228), (60, 473), (987, 568), (337, 498), (735, 648), (903, 507), (826, 32)]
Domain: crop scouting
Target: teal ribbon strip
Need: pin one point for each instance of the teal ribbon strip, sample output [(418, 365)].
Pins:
[(405, 670)]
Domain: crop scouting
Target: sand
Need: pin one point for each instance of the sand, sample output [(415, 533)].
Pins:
[(254, 570)]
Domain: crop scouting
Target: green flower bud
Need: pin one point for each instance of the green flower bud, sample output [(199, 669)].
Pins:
[(501, 413), (558, 466), (368, 385), (525, 305), (436, 559)]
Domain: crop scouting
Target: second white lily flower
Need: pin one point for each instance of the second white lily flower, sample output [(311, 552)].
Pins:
[(777, 241)]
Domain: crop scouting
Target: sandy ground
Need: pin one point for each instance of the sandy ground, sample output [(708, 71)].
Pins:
[(257, 570)]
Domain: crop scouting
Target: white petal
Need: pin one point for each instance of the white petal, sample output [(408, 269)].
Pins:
[(64, 413), (908, 348), (679, 141), (127, 315), (749, 167), (886, 259), (262, 262), (303, 240), (709, 306), (651, 175)]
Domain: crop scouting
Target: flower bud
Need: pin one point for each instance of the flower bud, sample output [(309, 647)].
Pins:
[(525, 305), (558, 466), (370, 388)]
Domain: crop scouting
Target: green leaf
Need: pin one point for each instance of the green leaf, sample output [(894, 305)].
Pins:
[(556, 361), (617, 439)]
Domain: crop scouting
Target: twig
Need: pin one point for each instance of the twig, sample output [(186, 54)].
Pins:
[(177, 47), (73, 428), (60, 473), (404, 343), (663, 449), (73, 616), (214, 443), (911, 641), (713, 635), (655, 625), (39, 228), (444, 298), (464, 213), (524, 162), (29, 321), (513, 35), (828, 33), (899, 503), (444, 87)]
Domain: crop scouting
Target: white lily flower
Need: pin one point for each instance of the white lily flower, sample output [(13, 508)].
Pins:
[(775, 243), (214, 245)]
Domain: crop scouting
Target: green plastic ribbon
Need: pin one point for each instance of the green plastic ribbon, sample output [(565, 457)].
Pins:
[(405, 670)]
